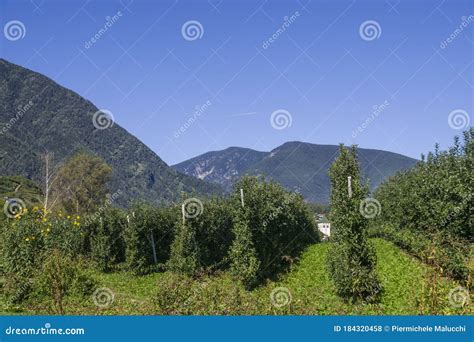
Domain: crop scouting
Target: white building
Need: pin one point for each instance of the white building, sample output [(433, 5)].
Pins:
[(324, 226)]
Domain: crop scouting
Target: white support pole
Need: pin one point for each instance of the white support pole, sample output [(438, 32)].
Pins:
[(183, 212), (349, 186), (242, 197)]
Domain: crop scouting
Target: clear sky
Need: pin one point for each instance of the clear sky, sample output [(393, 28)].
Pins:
[(311, 63)]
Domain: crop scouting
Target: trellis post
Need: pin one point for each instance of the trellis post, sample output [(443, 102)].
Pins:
[(349, 186), (183, 213)]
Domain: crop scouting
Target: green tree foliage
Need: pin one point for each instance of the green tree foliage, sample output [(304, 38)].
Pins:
[(351, 259), (435, 198), (202, 242), (104, 240), (82, 183), (185, 251), (437, 194), (60, 276), (30, 240), (273, 226), (148, 236)]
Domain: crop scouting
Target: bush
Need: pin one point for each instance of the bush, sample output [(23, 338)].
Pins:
[(202, 242), (148, 237), (32, 235), (217, 295), (105, 238), (40, 257), (59, 277), (351, 258), (272, 226), (433, 202), (436, 195)]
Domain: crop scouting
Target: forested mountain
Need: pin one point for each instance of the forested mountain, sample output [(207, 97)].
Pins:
[(38, 115), (295, 165)]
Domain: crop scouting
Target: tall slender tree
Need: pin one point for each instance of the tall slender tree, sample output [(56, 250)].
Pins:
[(351, 259)]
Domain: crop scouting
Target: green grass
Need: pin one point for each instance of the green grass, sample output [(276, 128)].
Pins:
[(404, 280)]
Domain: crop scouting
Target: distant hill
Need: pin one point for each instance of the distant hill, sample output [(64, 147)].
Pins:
[(37, 114), (295, 165)]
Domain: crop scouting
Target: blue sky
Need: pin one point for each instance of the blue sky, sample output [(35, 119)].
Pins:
[(322, 71)]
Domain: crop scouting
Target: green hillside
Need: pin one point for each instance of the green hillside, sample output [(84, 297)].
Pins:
[(38, 115)]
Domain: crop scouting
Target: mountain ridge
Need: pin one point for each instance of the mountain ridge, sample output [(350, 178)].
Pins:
[(294, 164), (38, 115)]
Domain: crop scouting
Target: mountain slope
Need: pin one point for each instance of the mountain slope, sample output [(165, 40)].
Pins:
[(38, 115), (295, 165), (222, 167)]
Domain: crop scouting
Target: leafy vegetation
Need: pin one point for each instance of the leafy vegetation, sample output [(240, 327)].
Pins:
[(352, 259), (81, 181), (428, 210), (147, 239), (407, 285), (272, 227)]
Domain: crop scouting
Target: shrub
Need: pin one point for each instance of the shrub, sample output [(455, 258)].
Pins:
[(148, 236), (272, 226), (217, 295), (29, 237), (105, 238), (433, 202), (202, 242), (60, 276), (436, 195), (351, 258), (184, 251)]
